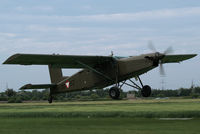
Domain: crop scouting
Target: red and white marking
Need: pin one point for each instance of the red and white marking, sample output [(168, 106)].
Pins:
[(67, 84)]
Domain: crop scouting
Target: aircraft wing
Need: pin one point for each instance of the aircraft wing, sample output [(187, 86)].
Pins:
[(62, 61), (177, 58)]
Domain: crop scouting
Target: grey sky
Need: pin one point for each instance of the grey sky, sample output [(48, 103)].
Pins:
[(97, 28)]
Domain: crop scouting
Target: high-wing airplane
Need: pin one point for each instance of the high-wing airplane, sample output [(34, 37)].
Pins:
[(97, 71)]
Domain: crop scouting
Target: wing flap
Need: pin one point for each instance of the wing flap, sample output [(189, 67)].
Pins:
[(63, 61), (177, 58), (37, 86)]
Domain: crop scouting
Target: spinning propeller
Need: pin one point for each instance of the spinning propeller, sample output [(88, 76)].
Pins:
[(157, 59)]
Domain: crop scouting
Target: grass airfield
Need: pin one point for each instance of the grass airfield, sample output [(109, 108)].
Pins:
[(97, 126), (171, 116)]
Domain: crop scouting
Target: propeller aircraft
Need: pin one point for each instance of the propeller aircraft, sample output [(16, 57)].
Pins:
[(97, 71)]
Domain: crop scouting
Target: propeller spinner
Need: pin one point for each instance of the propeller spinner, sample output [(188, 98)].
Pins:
[(157, 59)]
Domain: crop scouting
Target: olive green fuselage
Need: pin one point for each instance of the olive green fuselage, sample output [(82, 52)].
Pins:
[(122, 69)]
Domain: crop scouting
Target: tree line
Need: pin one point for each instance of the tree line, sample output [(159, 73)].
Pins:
[(12, 96)]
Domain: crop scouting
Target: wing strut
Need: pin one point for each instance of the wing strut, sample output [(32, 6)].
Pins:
[(135, 85), (94, 70)]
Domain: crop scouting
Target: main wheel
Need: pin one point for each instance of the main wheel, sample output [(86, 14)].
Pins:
[(146, 91), (114, 93)]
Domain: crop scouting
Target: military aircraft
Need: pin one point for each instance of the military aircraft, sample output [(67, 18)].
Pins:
[(97, 71)]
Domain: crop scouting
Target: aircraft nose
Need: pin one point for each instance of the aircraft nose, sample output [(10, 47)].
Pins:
[(159, 55)]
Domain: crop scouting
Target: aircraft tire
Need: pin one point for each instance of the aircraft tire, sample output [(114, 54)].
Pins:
[(114, 93), (50, 99), (146, 91)]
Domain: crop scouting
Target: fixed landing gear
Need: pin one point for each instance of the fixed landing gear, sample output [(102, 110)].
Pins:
[(145, 91), (114, 93), (50, 99)]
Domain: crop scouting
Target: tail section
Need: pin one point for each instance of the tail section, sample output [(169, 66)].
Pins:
[(55, 74)]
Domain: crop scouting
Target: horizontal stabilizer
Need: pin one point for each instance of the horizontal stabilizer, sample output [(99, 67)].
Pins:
[(37, 86)]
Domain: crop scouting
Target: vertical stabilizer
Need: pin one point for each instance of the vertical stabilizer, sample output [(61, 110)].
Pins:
[(55, 74)]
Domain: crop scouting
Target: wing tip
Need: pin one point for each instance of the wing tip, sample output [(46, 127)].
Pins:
[(27, 86), (195, 55), (11, 58), (190, 56)]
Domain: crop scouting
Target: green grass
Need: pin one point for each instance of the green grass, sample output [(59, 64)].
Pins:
[(136, 108), (101, 117), (97, 126)]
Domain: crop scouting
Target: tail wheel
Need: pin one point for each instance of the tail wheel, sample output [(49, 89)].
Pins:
[(114, 93), (50, 99), (146, 91)]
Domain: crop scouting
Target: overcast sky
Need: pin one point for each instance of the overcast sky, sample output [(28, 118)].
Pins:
[(91, 27)]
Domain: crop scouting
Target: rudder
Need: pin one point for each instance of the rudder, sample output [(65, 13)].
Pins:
[(55, 74)]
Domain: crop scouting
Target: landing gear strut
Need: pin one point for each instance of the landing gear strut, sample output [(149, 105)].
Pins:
[(114, 92), (145, 90), (50, 99)]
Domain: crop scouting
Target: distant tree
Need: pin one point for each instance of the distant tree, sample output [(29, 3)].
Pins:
[(3, 97), (94, 96), (184, 92), (36, 95), (194, 95), (45, 94), (101, 93), (10, 92), (78, 97), (197, 90), (11, 100), (18, 100)]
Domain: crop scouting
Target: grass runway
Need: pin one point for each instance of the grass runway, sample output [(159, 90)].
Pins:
[(170, 108), (97, 126), (101, 117)]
